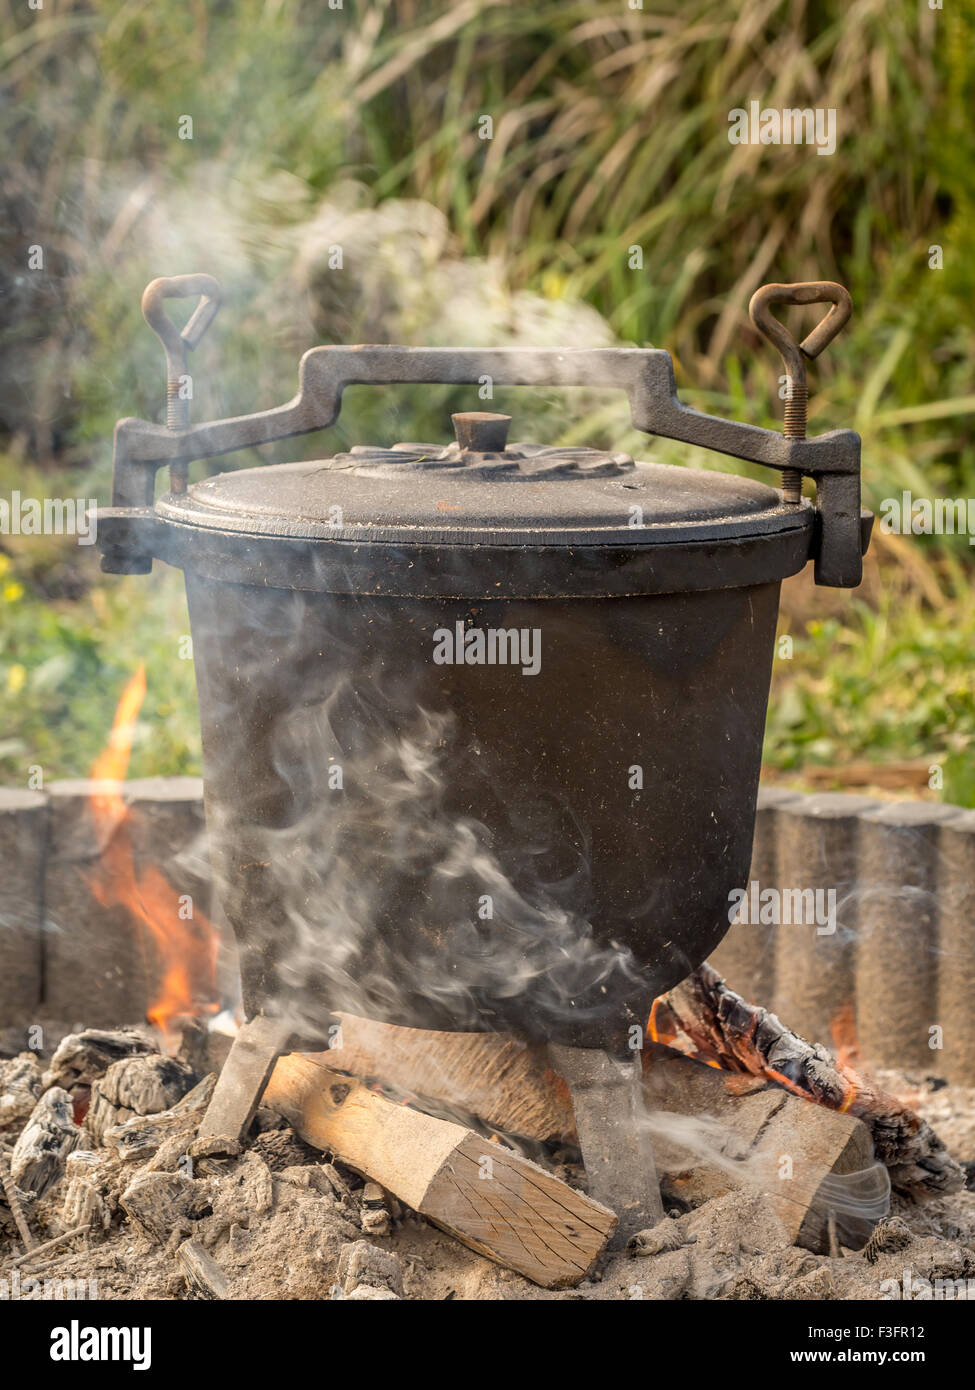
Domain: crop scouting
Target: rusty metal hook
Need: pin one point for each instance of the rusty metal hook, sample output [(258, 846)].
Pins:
[(794, 354), (177, 343)]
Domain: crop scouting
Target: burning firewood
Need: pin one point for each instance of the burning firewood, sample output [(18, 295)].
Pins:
[(487, 1196), (742, 1037), (531, 1101)]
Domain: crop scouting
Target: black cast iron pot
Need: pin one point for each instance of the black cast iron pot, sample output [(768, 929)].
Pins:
[(482, 723)]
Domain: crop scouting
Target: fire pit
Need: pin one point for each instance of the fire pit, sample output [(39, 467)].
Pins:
[(482, 722)]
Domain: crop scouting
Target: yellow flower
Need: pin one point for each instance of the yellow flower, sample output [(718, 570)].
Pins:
[(553, 284), (16, 676), (12, 591)]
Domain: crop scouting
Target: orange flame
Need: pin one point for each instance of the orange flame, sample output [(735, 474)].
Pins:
[(181, 950), (846, 1044)]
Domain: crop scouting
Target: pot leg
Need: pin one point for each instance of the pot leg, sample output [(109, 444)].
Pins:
[(240, 1086), (607, 1098)]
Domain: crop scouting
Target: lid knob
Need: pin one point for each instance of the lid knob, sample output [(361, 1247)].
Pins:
[(481, 432)]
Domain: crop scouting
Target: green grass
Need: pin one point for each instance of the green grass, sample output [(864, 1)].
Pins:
[(609, 131), (882, 683), (64, 663)]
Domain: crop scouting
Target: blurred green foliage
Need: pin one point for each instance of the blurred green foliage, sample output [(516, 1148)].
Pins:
[(609, 133)]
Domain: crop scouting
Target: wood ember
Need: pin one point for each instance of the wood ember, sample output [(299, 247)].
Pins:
[(81, 1058), (216, 1147), (140, 1085), (486, 1196), (374, 1214), (747, 1038), (20, 1089), (164, 1203), (15, 1202), (85, 1201), (213, 1151), (242, 1196), (141, 1137), (203, 1275), (889, 1234), (45, 1142), (340, 1185), (366, 1266), (45, 1249), (333, 1183), (666, 1235), (309, 1175), (282, 1148)]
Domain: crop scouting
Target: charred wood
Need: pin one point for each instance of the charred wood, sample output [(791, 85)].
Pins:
[(48, 1137), (743, 1037)]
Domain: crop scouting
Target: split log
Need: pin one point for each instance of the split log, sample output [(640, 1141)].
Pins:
[(503, 1080), (743, 1037), (746, 1135), (491, 1199), (242, 1079), (607, 1096), (711, 1137), (530, 1101)]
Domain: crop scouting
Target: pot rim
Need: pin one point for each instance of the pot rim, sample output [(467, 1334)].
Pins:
[(434, 570)]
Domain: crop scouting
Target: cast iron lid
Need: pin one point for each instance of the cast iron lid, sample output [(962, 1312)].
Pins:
[(482, 491)]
